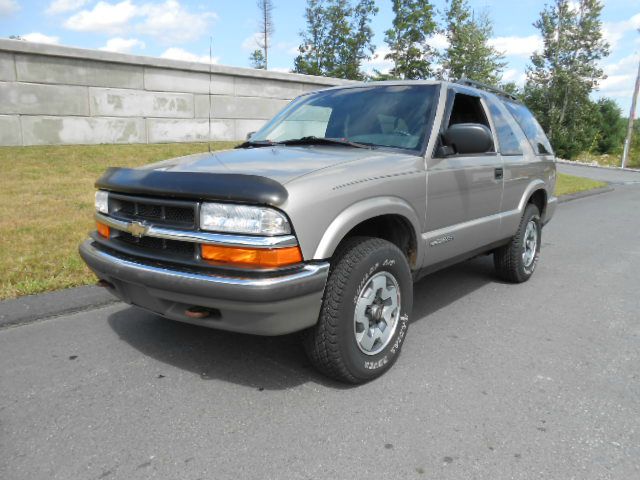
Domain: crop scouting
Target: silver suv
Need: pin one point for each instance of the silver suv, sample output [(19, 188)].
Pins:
[(322, 220)]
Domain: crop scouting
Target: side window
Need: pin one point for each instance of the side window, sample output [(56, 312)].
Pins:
[(509, 142), (530, 127), (467, 109)]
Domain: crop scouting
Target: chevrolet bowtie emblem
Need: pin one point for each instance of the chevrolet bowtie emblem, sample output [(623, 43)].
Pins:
[(137, 229)]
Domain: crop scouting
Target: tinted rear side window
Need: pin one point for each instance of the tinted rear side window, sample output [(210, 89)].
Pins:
[(530, 127), (509, 143)]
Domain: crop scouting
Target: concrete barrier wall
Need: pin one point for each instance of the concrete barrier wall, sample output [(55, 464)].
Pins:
[(52, 95)]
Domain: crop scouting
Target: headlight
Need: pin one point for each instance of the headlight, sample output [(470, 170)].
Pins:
[(220, 217), (102, 201)]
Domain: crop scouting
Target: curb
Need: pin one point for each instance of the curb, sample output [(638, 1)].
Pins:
[(591, 165), (584, 194), (31, 308)]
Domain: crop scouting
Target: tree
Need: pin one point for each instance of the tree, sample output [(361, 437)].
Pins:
[(337, 39), (265, 31), (611, 127), (565, 72), (469, 54), (257, 60), (413, 24)]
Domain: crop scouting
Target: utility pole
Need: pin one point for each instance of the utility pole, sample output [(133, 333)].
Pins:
[(632, 114)]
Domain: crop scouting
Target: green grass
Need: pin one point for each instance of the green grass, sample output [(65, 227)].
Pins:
[(46, 208), (568, 184)]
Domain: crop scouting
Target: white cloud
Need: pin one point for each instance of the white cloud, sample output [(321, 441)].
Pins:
[(438, 41), (175, 53), (38, 37), (378, 62), (621, 77), (7, 7), (104, 17), (515, 46), (62, 6), (170, 22), (122, 45), (614, 31), (251, 42), (517, 76)]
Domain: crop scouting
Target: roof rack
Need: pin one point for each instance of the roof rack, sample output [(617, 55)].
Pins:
[(489, 88)]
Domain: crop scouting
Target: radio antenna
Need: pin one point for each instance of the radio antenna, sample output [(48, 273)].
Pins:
[(210, 75)]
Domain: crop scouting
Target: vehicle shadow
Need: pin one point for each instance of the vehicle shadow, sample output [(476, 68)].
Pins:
[(271, 363)]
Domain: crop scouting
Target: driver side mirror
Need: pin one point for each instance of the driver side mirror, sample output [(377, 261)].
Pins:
[(466, 138), (249, 135)]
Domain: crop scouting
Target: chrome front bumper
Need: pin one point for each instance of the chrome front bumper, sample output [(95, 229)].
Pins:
[(269, 305)]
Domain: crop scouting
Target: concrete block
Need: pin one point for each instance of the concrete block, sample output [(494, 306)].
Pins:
[(245, 126), (160, 130), (10, 130), (7, 67), (81, 130), (35, 99), (168, 80), (238, 107), (73, 71), (139, 103), (257, 87)]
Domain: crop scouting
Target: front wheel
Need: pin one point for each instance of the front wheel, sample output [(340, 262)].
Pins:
[(365, 311), (516, 261)]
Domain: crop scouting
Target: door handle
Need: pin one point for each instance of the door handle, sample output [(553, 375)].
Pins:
[(499, 173)]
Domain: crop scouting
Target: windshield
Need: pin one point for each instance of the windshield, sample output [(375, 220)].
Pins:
[(386, 116)]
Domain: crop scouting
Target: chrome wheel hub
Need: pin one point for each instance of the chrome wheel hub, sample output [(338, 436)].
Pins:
[(530, 243), (377, 312)]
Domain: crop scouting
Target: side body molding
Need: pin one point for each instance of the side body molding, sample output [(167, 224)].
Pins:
[(365, 210)]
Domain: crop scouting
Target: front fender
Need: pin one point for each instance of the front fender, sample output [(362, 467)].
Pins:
[(362, 211)]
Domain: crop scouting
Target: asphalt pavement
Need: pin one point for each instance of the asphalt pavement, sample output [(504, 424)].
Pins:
[(495, 381)]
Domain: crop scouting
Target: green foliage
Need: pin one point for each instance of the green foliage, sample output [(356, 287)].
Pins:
[(413, 24), (337, 39), (611, 127), (469, 54), (565, 72), (257, 59)]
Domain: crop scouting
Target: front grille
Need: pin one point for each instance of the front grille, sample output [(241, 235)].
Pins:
[(170, 213), (177, 249)]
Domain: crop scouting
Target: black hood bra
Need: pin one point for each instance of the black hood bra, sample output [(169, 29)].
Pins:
[(232, 187)]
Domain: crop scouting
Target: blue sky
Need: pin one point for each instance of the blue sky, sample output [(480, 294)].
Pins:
[(181, 29)]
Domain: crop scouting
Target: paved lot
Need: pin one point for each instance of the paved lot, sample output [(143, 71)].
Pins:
[(496, 381)]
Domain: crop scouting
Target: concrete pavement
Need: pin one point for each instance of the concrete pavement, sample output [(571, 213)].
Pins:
[(495, 381)]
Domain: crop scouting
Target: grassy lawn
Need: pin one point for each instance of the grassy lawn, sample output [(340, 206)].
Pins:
[(567, 184), (46, 208)]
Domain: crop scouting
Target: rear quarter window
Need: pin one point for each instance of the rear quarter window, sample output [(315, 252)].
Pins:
[(531, 128), (509, 141)]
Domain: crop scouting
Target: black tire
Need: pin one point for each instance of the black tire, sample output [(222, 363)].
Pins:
[(508, 260), (331, 344)]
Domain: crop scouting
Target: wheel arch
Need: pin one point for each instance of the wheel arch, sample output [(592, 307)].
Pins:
[(390, 218), (537, 194)]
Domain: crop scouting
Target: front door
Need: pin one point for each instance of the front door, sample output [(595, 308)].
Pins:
[(463, 191)]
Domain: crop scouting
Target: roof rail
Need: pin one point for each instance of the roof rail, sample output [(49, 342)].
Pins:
[(490, 88)]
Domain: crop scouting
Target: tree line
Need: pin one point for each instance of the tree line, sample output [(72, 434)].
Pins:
[(338, 41)]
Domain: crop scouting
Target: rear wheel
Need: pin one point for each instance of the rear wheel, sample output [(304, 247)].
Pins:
[(516, 261), (365, 311)]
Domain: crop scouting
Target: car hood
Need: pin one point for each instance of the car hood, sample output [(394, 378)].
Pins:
[(279, 163)]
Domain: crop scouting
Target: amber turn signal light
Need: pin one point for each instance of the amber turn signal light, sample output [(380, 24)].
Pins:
[(103, 230), (252, 257)]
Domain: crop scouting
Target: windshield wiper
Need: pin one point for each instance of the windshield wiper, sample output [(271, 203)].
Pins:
[(257, 143), (313, 140)]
